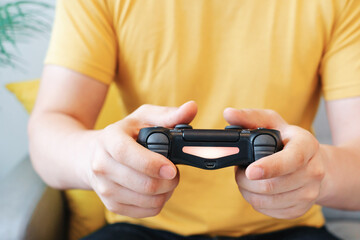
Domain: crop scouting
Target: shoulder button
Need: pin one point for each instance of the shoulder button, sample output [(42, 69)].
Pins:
[(183, 126), (233, 127), (157, 138), (264, 140)]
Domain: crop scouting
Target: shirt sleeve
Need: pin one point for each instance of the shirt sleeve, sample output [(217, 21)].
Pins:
[(84, 39), (340, 67)]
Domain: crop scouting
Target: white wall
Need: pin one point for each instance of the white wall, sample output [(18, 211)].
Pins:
[(321, 125), (13, 117)]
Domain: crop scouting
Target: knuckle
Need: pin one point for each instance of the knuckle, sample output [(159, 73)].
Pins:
[(112, 207), (129, 121), (298, 156), (272, 113), (268, 186), (159, 201), (143, 107), (311, 195), (151, 186), (155, 212), (318, 173), (98, 166), (104, 190)]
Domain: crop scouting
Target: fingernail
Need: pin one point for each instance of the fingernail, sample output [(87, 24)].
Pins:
[(256, 173), (167, 172), (229, 109), (183, 105)]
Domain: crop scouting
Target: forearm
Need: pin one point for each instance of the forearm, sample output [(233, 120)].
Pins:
[(60, 149), (341, 184)]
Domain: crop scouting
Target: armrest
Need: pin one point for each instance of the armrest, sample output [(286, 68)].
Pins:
[(343, 224), (29, 210), (341, 215)]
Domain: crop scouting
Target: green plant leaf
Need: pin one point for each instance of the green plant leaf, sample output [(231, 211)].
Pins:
[(19, 22)]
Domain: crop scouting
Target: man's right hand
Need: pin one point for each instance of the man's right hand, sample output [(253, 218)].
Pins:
[(130, 179)]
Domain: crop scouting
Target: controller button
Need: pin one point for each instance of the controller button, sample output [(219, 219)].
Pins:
[(155, 147), (264, 140), (263, 151), (183, 126), (159, 148), (233, 127), (158, 138)]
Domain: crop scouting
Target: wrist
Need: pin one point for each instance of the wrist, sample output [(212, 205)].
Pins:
[(326, 185), (88, 145), (340, 183)]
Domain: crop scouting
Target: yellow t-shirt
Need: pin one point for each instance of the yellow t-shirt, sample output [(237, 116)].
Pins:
[(270, 54)]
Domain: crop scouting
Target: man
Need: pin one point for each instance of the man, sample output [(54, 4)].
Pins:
[(257, 63)]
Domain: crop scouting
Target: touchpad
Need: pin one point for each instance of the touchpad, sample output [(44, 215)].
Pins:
[(211, 152)]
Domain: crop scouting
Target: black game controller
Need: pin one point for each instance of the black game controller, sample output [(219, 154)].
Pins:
[(237, 146)]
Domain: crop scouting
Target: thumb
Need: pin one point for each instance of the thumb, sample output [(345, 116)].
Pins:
[(254, 118), (153, 115)]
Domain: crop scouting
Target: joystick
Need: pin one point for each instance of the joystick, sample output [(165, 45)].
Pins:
[(211, 148)]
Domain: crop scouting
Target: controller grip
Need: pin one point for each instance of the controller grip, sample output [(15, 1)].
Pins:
[(155, 139), (266, 144)]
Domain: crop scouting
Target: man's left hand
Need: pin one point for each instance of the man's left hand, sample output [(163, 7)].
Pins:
[(286, 184)]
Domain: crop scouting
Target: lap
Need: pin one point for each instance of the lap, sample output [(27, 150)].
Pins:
[(127, 231)]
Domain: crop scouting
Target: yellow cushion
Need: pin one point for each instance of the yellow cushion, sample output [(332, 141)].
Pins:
[(86, 211), (25, 92)]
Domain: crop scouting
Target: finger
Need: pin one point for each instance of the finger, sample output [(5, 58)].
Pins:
[(134, 180), (300, 147), (141, 200), (123, 195), (127, 151), (287, 213), (306, 194), (130, 210), (266, 202), (272, 186), (141, 183), (152, 115), (106, 191), (254, 118)]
